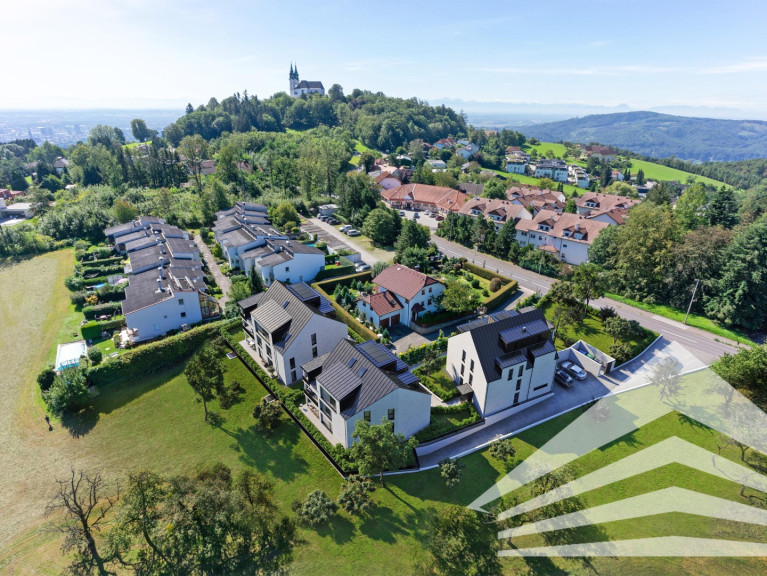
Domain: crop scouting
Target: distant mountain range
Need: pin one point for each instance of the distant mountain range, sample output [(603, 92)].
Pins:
[(661, 135)]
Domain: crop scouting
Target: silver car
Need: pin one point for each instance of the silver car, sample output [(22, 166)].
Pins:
[(573, 369)]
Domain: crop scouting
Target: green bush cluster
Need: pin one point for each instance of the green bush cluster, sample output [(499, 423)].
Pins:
[(104, 262), (92, 330), (418, 353), (96, 271), (90, 312), (437, 429), (101, 252), (501, 296), (153, 356)]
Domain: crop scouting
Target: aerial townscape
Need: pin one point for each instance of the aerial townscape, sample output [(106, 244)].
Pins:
[(332, 331)]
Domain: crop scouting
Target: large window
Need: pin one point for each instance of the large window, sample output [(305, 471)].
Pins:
[(314, 339), (391, 413), (327, 398), (292, 363)]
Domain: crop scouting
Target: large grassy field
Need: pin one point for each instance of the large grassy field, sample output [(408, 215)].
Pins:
[(654, 171)]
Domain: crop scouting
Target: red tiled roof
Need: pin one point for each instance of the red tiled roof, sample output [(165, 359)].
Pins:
[(605, 202), (445, 198), (403, 281), (383, 176), (383, 303)]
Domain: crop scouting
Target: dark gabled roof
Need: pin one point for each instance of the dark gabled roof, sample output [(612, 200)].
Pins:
[(298, 312), (151, 255), (309, 84), (137, 235), (143, 242), (250, 301), (176, 245), (239, 237), (358, 384), (274, 259), (142, 290), (471, 189), (271, 316), (489, 337), (112, 230), (256, 252), (314, 363)]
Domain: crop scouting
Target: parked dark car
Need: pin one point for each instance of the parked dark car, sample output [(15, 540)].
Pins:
[(332, 221), (563, 379)]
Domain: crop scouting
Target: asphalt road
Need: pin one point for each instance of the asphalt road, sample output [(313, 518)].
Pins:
[(706, 346)]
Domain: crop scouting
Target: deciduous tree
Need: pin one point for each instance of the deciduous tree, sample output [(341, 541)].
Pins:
[(378, 448), (205, 375)]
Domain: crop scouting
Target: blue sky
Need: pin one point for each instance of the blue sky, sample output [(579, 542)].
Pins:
[(163, 53)]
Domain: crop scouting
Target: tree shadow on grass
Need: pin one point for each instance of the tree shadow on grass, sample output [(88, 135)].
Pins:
[(274, 453), (384, 524), (340, 529), (78, 425)]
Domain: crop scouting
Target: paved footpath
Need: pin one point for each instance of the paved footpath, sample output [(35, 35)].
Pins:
[(221, 279)]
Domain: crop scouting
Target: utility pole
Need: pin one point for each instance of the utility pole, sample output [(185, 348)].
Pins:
[(694, 290)]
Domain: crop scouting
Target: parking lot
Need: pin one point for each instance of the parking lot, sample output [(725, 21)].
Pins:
[(322, 235), (422, 218)]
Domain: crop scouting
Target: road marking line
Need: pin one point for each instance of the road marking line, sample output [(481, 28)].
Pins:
[(673, 323)]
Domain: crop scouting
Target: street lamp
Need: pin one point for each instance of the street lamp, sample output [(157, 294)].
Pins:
[(697, 281)]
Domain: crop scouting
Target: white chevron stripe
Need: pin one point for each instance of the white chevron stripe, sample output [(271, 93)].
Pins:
[(665, 546), (671, 450), (659, 502)]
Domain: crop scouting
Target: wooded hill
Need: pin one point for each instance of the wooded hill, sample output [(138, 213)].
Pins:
[(662, 135)]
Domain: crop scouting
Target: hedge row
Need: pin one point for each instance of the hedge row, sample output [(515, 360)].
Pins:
[(154, 356), (336, 271), (77, 283), (418, 353), (102, 262), (92, 330), (329, 286), (90, 312), (485, 273), (502, 295), (290, 398), (106, 270), (435, 430), (101, 251), (343, 315)]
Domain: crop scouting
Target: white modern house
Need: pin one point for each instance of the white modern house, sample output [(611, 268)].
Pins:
[(287, 261), (555, 169), (566, 236), (290, 325), (467, 150), (409, 293), (503, 361), (516, 164), (364, 382)]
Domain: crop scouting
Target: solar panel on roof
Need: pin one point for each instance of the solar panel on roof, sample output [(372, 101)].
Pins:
[(286, 304), (303, 291), (376, 353), (407, 378)]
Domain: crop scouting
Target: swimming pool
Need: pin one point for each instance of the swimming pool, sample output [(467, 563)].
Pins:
[(68, 355)]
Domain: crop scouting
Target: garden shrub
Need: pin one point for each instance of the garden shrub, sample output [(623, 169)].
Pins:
[(92, 330), (95, 356), (495, 284), (90, 312), (45, 378), (154, 356)]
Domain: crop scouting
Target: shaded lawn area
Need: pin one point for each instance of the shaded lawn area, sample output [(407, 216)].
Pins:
[(439, 383)]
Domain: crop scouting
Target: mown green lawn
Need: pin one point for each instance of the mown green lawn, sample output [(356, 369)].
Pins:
[(654, 171)]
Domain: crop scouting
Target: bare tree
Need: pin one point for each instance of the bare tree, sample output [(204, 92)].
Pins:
[(83, 503)]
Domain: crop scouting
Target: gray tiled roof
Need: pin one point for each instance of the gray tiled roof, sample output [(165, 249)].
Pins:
[(179, 245), (487, 339), (363, 383), (250, 301), (315, 363), (271, 316), (275, 259), (140, 243), (239, 237), (299, 312), (142, 290), (147, 257)]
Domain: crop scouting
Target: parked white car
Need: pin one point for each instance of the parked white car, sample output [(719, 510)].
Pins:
[(362, 267), (353, 232), (345, 227)]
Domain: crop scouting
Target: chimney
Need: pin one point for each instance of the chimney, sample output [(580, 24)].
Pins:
[(159, 285), (578, 226), (524, 329)]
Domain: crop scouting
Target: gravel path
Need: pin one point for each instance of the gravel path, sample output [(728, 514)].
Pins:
[(221, 279)]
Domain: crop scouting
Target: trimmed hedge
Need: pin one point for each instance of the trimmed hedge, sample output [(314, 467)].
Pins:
[(92, 330), (342, 314), (102, 262), (291, 398), (502, 295), (329, 286), (436, 430), (90, 312), (418, 353), (96, 271), (154, 356)]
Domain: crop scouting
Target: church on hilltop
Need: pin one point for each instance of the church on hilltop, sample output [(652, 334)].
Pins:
[(304, 86)]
